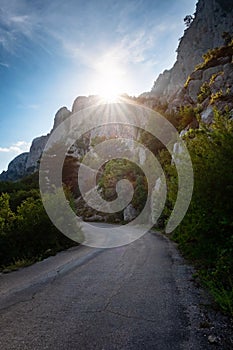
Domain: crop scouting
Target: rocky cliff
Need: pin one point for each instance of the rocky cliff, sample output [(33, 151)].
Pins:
[(27, 163), (16, 168), (211, 19), (208, 85)]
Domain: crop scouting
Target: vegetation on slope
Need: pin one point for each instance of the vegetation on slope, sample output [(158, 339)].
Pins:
[(215, 56), (205, 235), (26, 233)]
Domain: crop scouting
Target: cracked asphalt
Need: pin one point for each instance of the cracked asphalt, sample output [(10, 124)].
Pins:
[(138, 296)]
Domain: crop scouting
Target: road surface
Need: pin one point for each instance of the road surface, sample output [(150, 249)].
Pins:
[(138, 296)]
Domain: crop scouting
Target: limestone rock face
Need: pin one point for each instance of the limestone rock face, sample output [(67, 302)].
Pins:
[(62, 114), (212, 88), (212, 18), (82, 102), (35, 153), (26, 163), (16, 168)]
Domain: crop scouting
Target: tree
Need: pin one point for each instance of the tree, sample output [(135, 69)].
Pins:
[(205, 234), (6, 215)]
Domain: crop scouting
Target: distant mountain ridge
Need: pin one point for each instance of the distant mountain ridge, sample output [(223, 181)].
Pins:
[(27, 163)]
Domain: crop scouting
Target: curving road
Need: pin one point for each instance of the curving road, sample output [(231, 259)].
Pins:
[(137, 296)]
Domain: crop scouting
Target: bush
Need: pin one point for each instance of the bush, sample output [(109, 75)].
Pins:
[(204, 92), (211, 57), (205, 234), (118, 169), (26, 232)]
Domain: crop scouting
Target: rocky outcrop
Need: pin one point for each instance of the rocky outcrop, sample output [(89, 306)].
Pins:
[(212, 18), (61, 115), (16, 168), (35, 153), (212, 88), (82, 102), (129, 213), (26, 163), (209, 86)]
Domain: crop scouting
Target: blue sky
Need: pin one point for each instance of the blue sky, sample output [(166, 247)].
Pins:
[(53, 51)]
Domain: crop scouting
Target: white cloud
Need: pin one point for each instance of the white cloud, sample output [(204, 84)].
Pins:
[(16, 148), (17, 21), (131, 43), (3, 64), (10, 152)]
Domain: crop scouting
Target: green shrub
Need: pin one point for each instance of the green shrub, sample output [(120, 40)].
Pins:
[(26, 232), (210, 57), (205, 234), (118, 169), (187, 114), (186, 84), (204, 92), (216, 96)]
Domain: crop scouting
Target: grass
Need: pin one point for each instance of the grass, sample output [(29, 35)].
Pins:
[(17, 264), (210, 275), (223, 297)]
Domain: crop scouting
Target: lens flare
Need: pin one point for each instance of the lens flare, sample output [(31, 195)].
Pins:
[(109, 82), (81, 123)]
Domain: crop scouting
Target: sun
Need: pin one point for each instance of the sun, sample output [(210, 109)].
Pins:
[(108, 90), (109, 81)]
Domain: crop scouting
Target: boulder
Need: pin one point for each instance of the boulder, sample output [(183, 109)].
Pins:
[(207, 115), (129, 213)]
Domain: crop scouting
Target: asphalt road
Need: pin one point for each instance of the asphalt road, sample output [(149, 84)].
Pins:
[(138, 296)]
